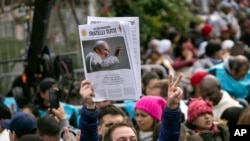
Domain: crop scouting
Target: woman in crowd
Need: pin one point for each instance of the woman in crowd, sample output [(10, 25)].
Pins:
[(149, 111)]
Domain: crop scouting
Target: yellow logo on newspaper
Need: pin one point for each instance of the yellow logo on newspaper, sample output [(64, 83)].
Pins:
[(120, 28), (83, 32)]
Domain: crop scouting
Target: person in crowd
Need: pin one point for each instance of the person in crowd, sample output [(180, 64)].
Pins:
[(48, 128), (32, 110), (116, 132), (195, 81), (224, 17), (20, 124), (184, 63), (231, 115), (239, 48), (206, 33), (174, 37), (41, 101), (211, 90), (171, 117), (4, 114), (244, 118), (245, 38), (200, 124), (165, 49), (226, 47), (108, 116), (201, 49), (224, 33), (31, 137), (212, 56), (149, 111), (51, 127), (99, 59), (157, 58), (148, 78), (152, 46), (159, 88), (233, 76)]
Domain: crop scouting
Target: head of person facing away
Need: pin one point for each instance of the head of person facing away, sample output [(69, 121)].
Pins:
[(231, 115), (102, 49), (4, 114), (108, 116), (195, 80), (121, 131), (214, 51), (32, 110), (211, 89), (20, 124), (48, 128), (238, 66), (31, 137)]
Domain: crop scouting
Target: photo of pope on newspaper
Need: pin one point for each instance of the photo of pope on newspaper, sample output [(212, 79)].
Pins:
[(105, 54)]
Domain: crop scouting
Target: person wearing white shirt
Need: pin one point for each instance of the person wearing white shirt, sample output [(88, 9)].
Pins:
[(211, 90), (99, 59)]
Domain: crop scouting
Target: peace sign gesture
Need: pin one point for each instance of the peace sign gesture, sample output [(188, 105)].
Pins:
[(174, 92)]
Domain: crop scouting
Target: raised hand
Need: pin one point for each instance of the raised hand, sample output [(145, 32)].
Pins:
[(59, 113), (118, 50), (87, 93), (174, 92)]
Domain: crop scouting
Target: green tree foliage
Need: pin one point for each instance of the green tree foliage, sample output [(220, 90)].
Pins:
[(153, 14)]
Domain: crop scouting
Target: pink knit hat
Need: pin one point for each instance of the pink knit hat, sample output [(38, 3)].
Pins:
[(153, 105), (198, 106)]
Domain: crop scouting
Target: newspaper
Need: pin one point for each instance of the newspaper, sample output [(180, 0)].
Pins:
[(134, 33), (109, 67)]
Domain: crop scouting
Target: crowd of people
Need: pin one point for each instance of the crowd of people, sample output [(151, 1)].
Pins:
[(205, 93)]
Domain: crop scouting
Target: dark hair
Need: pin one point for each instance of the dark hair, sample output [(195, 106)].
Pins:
[(109, 109), (48, 126), (212, 47), (156, 131), (238, 48), (34, 110), (30, 137), (5, 111), (46, 84), (107, 135), (247, 53), (149, 75), (231, 115), (236, 64)]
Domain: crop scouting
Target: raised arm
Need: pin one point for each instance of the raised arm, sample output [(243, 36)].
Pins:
[(171, 123), (89, 114)]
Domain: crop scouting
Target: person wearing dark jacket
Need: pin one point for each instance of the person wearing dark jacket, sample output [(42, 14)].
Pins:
[(171, 122)]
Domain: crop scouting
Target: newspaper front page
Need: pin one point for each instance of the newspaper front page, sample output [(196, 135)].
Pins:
[(106, 53), (135, 40)]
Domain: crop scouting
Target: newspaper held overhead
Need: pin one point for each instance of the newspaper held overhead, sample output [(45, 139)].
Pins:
[(135, 40), (107, 59)]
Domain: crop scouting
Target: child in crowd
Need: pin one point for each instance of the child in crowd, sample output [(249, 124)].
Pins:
[(200, 124)]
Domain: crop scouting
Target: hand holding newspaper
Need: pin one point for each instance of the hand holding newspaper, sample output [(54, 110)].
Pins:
[(107, 54)]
